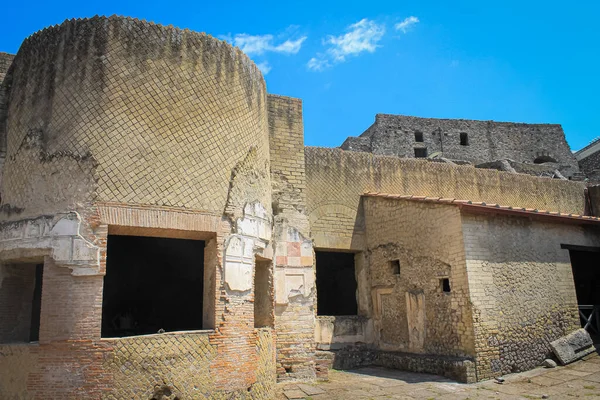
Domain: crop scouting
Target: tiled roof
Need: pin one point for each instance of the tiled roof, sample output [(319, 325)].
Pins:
[(477, 206)]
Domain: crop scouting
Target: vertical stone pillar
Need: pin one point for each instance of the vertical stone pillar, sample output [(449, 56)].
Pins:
[(295, 290)]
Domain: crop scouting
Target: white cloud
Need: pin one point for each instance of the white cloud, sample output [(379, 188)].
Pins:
[(405, 25), (360, 37), (251, 44), (260, 44), (264, 67), (318, 63), (290, 46)]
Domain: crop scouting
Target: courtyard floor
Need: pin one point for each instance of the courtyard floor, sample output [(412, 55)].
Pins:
[(580, 379)]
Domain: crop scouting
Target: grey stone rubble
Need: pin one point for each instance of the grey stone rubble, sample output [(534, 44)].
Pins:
[(574, 346)]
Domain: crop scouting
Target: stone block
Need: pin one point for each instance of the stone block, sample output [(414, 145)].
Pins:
[(574, 346)]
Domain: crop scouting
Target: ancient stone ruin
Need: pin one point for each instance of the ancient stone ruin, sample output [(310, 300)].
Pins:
[(165, 233)]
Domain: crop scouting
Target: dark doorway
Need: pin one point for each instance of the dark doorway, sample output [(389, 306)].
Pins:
[(586, 273), (20, 302), (36, 304), (151, 285), (586, 276), (336, 283), (263, 294)]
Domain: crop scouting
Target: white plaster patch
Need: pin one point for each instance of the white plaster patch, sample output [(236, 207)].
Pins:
[(60, 240), (293, 282), (256, 222), (239, 263)]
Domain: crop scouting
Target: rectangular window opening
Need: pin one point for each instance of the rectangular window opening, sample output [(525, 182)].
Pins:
[(336, 283), (152, 285), (20, 302), (420, 152), (464, 139), (263, 294), (418, 136), (395, 267), (445, 285)]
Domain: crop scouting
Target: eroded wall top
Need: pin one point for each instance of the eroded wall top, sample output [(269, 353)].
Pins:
[(482, 140)]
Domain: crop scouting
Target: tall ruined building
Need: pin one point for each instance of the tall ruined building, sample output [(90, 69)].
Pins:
[(165, 233)]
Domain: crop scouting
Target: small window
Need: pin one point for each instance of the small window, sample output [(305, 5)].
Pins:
[(420, 152), (418, 136), (445, 285), (464, 139), (395, 267)]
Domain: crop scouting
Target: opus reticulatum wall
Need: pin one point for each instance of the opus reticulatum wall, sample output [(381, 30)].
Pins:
[(120, 127)]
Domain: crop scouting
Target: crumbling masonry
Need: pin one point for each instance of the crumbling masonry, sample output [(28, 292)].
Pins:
[(165, 233)]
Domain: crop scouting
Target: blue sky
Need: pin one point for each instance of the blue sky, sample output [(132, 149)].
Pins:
[(523, 61)]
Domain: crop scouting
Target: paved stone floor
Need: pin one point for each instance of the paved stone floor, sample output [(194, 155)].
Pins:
[(578, 380)]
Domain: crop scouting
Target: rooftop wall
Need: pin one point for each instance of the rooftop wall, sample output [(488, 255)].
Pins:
[(121, 110), (336, 179), (487, 140)]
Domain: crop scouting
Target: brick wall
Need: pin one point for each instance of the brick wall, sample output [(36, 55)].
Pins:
[(72, 361), (294, 270), (336, 179), (521, 287)]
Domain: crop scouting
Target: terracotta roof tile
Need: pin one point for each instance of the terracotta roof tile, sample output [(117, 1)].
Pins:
[(480, 205)]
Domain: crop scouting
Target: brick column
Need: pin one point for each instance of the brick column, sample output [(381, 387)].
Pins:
[(295, 292)]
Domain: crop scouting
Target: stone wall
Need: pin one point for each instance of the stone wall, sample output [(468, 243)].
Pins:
[(295, 293), (594, 198), (5, 62), (121, 110), (589, 162), (521, 287), (411, 311), (336, 179), (487, 140)]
